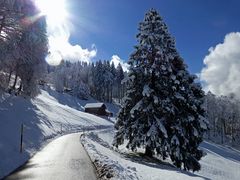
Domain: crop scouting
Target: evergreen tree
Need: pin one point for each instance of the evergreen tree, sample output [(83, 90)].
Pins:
[(59, 77), (108, 79), (91, 81), (10, 33), (162, 109), (99, 80), (113, 72), (187, 124), (119, 78), (25, 44)]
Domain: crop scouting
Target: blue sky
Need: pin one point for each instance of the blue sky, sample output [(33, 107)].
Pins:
[(112, 25)]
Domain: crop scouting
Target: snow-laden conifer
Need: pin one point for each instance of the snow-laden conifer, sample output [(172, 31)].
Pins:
[(162, 110)]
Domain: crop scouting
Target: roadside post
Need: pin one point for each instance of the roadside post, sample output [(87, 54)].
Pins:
[(21, 141)]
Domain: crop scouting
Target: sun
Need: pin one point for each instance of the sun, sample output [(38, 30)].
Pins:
[(54, 10), (58, 22)]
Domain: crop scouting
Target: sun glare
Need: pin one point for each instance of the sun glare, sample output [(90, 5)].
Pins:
[(58, 24), (54, 10)]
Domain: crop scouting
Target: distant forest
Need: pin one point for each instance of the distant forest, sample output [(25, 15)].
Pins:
[(100, 80)]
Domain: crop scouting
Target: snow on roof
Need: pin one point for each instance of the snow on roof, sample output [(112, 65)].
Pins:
[(94, 105)]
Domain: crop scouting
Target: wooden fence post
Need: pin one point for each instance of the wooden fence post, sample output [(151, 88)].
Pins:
[(21, 141)]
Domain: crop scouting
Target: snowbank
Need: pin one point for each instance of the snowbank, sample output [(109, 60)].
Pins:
[(107, 162), (220, 163)]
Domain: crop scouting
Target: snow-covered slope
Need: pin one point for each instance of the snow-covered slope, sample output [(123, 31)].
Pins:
[(52, 114), (220, 163), (45, 117)]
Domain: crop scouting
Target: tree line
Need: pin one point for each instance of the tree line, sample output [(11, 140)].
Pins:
[(223, 114), (100, 80)]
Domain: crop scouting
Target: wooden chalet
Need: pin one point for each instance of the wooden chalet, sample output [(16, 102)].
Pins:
[(99, 109)]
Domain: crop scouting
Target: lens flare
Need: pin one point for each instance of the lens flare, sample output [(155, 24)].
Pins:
[(54, 10), (54, 58)]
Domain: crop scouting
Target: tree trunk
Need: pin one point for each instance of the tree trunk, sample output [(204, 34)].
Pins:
[(214, 127), (15, 81), (111, 93), (108, 99), (119, 93), (224, 127), (148, 152), (232, 130), (20, 87), (209, 134), (222, 124), (122, 93), (9, 77), (2, 24)]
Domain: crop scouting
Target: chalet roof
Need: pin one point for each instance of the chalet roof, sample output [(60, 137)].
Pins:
[(94, 105)]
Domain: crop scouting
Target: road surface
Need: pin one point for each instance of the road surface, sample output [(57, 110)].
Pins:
[(62, 159)]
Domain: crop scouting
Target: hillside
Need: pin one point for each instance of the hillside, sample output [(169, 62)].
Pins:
[(49, 115)]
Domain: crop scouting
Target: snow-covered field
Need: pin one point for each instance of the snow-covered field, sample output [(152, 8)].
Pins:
[(47, 116), (52, 114), (220, 163)]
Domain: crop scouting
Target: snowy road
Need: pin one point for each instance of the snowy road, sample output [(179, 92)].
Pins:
[(63, 158)]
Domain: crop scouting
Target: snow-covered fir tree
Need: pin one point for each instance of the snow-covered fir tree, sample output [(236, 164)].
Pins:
[(34, 48), (108, 80), (23, 44), (119, 78), (99, 80), (113, 71), (162, 110), (10, 33)]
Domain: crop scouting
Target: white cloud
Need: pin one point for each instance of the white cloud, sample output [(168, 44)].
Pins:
[(221, 73), (116, 60), (60, 47)]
